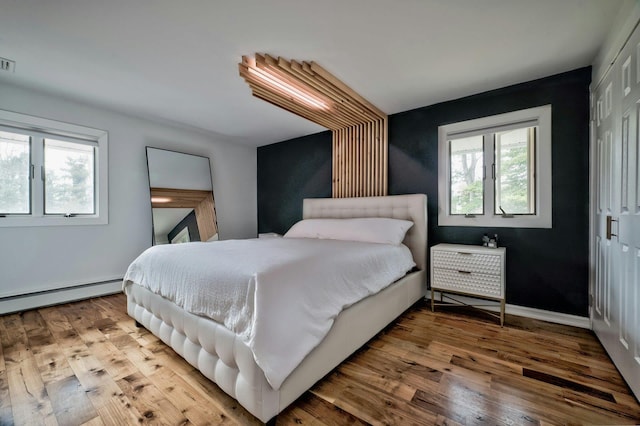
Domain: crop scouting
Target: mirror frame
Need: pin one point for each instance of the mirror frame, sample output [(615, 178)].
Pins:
[(199, 200)]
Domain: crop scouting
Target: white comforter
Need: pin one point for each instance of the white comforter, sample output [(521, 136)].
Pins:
[(280, 295)]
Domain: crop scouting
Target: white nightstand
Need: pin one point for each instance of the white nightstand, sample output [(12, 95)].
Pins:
[(474, 271)]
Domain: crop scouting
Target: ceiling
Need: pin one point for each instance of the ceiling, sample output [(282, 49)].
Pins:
[(177, 60)]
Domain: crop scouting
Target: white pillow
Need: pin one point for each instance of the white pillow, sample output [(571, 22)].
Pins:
[(370, 229)]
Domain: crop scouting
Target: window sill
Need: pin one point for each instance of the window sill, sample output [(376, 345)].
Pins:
[(28, 221), (539, 221)]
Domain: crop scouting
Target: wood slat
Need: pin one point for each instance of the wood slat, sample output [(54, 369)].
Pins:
[(359, 166), (359, 129), (342, 105), (321, 118), (317, 68)]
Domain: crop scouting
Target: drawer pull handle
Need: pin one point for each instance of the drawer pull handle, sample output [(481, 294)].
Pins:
[(464, 272), (464, 253)]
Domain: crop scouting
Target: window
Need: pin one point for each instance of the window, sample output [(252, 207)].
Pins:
[(51, 173), (69, 179), (496, 171), (15, 171), (466, 175), (514, 175)]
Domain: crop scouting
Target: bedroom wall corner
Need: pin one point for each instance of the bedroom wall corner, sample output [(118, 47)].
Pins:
[(50, 258)]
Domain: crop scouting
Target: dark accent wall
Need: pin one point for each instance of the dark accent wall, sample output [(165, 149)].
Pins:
[(288, 172), (546, 268)]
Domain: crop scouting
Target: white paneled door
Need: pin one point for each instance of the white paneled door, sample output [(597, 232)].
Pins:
[(615, 138)]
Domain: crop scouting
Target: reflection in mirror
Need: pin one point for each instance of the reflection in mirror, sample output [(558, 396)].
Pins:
[(182, 202)]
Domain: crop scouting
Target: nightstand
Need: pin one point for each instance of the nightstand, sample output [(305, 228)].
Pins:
[(468, 270)]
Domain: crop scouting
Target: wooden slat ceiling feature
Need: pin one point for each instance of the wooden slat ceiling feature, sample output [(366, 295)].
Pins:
[(360, 160), (329, 102), (359, 128)]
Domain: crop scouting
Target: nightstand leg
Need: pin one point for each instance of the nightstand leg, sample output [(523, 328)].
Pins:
[(432, 305), (502, 313)]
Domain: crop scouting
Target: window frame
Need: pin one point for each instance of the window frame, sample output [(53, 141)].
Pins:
[(488, 126), (29, 171), (39, 129)]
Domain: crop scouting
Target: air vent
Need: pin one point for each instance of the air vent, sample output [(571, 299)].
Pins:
[(7, 65)]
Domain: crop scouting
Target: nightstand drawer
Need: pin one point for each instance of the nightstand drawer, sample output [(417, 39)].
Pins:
[(467, 282), (482, 263)]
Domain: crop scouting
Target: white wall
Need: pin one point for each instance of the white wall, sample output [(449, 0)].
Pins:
[(41, 258), (622, 28)]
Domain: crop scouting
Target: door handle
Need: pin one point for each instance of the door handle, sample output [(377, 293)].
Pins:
[(610, 221)]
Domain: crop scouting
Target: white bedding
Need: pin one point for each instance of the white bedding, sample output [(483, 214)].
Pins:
[(279, 295)]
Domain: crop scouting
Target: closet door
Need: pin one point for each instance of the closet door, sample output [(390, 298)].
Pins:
[(616, 293)]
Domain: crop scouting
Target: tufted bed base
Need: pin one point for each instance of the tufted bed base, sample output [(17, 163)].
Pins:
[(228, 361)]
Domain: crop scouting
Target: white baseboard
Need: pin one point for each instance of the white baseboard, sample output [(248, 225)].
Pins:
[(64, 295), (54, 297), (523, 311)]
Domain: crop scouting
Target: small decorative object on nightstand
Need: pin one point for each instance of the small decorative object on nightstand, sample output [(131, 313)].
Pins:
[(468, 270)]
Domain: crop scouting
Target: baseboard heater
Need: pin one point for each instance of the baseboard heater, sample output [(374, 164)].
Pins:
[(55, 296)]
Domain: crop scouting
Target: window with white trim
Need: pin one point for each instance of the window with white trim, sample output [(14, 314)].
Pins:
[(51, 173), (496, 171)]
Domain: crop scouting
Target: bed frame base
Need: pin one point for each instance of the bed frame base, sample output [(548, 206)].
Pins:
[(226, 360)]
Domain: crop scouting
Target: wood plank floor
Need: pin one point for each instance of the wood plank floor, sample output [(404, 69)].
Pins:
[(87, 363)]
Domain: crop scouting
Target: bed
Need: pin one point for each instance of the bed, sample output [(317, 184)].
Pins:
[(225, 358)]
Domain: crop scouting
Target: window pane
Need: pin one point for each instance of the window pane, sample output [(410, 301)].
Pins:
[(467, 168), (69, 178), (515, 184), (14, 173)]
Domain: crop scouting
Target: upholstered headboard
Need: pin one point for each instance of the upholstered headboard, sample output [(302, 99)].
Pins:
[(411, 207)]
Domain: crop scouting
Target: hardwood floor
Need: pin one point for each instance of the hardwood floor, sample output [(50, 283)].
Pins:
[(87, 363)]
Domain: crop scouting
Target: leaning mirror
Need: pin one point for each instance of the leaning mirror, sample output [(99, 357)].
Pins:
[(182, 202)]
